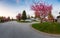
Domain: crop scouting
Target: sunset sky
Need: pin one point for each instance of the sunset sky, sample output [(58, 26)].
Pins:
[(13, 7)]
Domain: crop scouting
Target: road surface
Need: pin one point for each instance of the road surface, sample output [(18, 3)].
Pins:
[(14, 29)]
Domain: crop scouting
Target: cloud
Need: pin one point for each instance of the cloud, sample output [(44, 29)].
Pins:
[(6, 11), (17, 1), (12, 10)]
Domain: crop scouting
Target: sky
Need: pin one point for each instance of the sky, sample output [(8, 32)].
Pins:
[(13, 7)]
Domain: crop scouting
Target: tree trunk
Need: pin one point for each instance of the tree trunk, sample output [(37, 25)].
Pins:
[(40, 20)]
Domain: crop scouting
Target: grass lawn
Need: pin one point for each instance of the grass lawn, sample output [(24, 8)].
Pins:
[(52, 28)]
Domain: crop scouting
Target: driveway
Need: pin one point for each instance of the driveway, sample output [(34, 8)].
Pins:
[(14, 29)]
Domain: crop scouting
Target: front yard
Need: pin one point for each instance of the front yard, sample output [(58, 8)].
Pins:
[(52, 28)]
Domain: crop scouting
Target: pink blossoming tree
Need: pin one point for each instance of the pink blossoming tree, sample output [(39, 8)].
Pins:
[(41, 10)]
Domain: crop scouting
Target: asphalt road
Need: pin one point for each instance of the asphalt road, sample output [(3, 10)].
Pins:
[(14, 29)]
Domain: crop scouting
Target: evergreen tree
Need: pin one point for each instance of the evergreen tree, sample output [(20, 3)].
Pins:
[(24, 17)]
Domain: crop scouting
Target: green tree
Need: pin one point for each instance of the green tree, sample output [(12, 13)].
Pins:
[(24, 16)]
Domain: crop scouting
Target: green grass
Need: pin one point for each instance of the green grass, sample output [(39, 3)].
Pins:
[(53, 28)]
